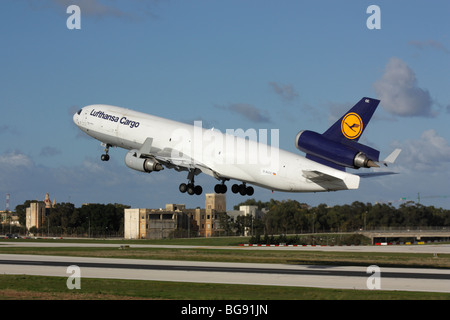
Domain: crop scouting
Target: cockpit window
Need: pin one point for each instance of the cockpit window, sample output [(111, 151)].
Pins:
[(79, 111)]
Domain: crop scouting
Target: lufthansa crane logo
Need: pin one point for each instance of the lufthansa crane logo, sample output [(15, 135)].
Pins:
[(351, 125)]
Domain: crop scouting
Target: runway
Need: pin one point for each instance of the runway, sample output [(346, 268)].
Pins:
[(438, 248), (407, 279)]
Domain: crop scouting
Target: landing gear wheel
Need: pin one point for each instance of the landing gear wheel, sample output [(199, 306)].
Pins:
[(220, 188), (190, 189), (183, 187), (105, 157), (242, 189), (198, 190)]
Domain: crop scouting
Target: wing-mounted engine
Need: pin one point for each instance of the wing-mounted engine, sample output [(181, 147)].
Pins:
[(134, 161), (345, 153)]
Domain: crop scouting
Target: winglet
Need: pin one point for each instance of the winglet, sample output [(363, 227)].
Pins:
[(392, 157)]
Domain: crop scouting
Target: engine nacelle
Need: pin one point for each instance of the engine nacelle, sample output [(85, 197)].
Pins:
[(351, 155), (133, 161)]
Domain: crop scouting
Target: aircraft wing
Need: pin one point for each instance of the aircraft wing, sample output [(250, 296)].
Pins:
[(182, 163), (174, 159)]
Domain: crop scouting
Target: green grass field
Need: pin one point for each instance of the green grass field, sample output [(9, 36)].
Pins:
[(36, 287), (49, 288)]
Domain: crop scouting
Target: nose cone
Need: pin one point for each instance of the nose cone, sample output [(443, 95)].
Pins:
[(76, 117)]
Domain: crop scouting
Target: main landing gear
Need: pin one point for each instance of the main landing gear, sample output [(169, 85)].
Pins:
[(242, 189), (220, 188), (191, 188)]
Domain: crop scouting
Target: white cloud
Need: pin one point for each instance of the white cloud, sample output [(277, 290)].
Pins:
[(92, 7), (439, 46), (49, 151), (286, 92), (127, 10), (430, 153), (248, 111), (15, 160), (5, 128), (399, 93), (90, 181)]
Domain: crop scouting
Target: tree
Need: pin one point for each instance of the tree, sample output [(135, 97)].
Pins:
[(60, 217), (225, 223)]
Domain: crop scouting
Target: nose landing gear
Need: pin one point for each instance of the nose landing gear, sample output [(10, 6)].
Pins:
[(105, 156)]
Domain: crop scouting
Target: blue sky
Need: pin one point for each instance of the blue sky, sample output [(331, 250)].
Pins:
[(287, 65)]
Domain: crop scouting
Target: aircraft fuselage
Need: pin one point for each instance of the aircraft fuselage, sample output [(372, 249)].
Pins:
[(218, 154)]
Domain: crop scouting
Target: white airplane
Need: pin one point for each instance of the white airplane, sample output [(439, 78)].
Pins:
[(155, 143)]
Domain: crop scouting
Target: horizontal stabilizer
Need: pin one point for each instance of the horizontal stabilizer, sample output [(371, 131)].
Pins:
[(374, 174), (318, 176), (331, 182)]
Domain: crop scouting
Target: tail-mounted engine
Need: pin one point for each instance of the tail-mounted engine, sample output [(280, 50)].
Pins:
[(347, 153), (134, 161)]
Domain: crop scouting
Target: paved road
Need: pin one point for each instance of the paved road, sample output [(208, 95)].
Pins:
[(236, 273), (439, 248)]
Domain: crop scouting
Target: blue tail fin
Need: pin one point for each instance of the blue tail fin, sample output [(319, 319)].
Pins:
[(352, 125), (347, 131)]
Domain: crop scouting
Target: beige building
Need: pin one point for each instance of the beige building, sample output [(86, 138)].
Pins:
[(154, 224), (209, 224), (175, 220), (9, 218), (250, 211), (37, 212), (135, 221), (35, 215)]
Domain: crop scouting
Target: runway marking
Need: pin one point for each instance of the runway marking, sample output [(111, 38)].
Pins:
[(313, 271)]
